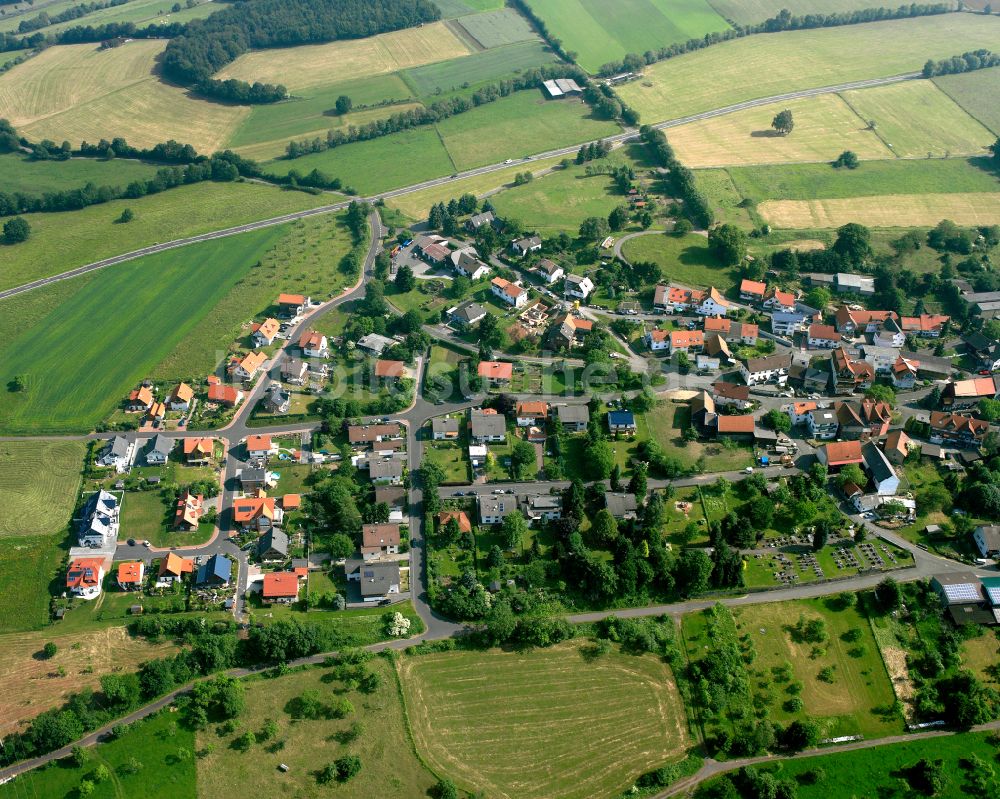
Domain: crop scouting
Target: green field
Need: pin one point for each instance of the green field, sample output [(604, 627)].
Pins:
[(684, 259), (30, 565), (516, 126), (475, 69), (497, 28), (784, 62), (37, 177), (978, 93), (748, 12), (544, 722), (62, 241), (78, 370), (600, 32), (39, 482), (147, 517), (389, 767), (141, 12)]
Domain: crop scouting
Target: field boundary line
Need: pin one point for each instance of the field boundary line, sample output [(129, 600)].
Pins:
[(874, 130)]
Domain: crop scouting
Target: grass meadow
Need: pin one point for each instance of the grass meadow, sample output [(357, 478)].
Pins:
[(77, 368), (545, 722), (685, 259), (497, 28), (37, 177), (784, 62), (39, 481), (478, 68), (600, 32), (147, 516), (29, 566), (389, 766), (141, 12), (67, 239), (746, 12), (978, 93)]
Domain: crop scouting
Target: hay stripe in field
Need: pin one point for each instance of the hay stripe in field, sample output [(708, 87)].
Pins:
[(897, 210)]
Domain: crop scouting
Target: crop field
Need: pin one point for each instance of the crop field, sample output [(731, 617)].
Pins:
[(76, 372), (544, 722), (897, 210), (600, 32), (38, 486), (308, 66), (401, 159), (497, 28), (518, 125), (918, 119), (305, 260), (78, 92), (685, 259), (37, 177), (29, 565), (141, 12), (64, 240), (747, 12), (978, 93), (825, 126), (33, 684), (478, 68), (389, 766), (784, 62), (459, 8)]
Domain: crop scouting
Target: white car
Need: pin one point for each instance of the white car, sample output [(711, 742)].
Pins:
[(748, 470)]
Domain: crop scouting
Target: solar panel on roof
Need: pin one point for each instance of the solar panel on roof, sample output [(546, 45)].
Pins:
[(994, 595), (964, 592)]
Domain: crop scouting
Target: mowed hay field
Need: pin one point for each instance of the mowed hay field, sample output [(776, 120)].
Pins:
[(542, 723), (600, 32), (389, 767), (824, 127), (39, 481), (32, 685), (978, 93), (78, 370), (896, 210), (61, 241), (785, 62), (315, 65), (79, 92), (29, 565)]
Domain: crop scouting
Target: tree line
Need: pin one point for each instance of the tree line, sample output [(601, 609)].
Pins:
[(112, 31), (43, 20), (784, 21), (967, 62), (207, 45), (681, 178), (429, 115)]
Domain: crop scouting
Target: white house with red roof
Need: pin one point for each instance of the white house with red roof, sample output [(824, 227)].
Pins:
[(84, 577), (510, 293)]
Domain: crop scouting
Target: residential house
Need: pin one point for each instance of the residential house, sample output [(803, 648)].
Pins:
[(493, 508), (215, 572), (780, 301), (573, 418), (295, 371), (389, 371), (444, 428), (968, 393), (579, 288), (786, 324), (815, 380), (99, 518), (925, 326), (879, 469), (225, 394), (848, 374), (378, 580), (984, 351), (822, 337), (621, 505), (529, 244), (621, 422), (530, 413), (385, 470), (809, 313), (257, 512), (957, 429), (477, 221), (569, 331), (375, 343), (180, 397), (731, 331), (703, 412), (273, 545), (957, 588), (737, 427), (889, 335), (987, 540), (278, 400), (487, 426), (822, 423), (434, 253), (292, 305), (752, 290), (904, 373), (173, 568), (732, 395), (246, 368), (379, 539), (157, 412), (159, 450), (713, 304), (658, 340), (467, 314), (542, 507), (130, 575), (877, 416), (260, 448), (689, 341), (139, 400), (478, 454), (852, 426), (549, 271), (84, 577), (372, 434), (264, 333), (468, 265), (897, 446), (798, 412), (854, 321), (393, 496), (849, 283), (674, 299), (510, 293), (714, 354), (881, 358), (460, 516), (496, 373), (840, 453), (314, 344), (280, 587), (768, 369), (253, 479), (188, 511)]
